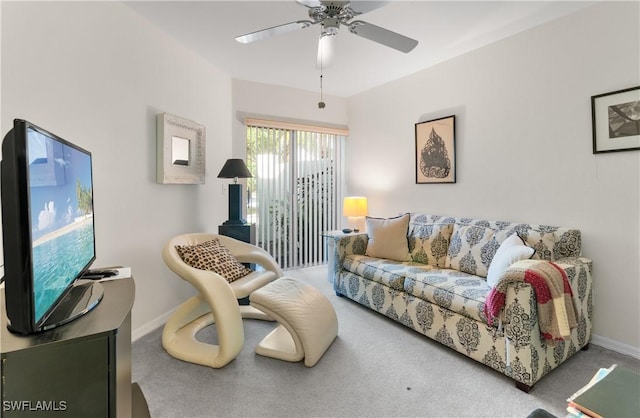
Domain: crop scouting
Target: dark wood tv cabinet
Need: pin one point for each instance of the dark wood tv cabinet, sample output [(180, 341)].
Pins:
[(81, 369)]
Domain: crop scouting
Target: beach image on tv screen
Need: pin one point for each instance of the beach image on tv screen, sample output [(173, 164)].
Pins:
[(61, 204)]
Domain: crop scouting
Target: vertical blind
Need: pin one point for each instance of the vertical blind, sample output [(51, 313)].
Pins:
[(296, 189)]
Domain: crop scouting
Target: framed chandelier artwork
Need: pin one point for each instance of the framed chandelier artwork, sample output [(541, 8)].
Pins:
[(436, 151)]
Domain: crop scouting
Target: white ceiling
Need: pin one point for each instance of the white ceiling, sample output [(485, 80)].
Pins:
[(444, 30)]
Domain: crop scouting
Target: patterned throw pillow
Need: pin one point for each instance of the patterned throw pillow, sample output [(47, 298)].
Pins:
[(472, 248), (388, 238), (429, 243), (212, 255)]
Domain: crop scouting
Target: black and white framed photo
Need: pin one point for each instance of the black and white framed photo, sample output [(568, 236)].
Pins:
[(616, 120), (436, 151)]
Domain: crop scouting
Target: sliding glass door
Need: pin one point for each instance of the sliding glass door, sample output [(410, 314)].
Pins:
[(296, 190)]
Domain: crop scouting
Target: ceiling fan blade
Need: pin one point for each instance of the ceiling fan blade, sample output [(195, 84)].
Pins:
[(310, 3), (361, 7), (382, 36), (325, 51), (276, 30)]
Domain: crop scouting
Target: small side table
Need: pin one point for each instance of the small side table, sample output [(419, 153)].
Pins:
[(330, 238), (242, 232)]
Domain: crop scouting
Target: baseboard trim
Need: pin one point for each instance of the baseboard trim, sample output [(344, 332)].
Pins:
[(618, 347), (150, 326)]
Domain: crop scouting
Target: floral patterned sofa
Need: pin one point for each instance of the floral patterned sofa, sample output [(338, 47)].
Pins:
[(441, 290)]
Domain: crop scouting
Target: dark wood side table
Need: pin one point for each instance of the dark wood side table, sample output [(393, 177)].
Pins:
[(242, 232)]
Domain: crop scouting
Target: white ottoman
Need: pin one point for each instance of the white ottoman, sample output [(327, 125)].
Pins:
[(308, 322)]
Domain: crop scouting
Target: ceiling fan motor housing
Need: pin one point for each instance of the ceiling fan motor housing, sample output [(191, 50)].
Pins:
[(338, 11)]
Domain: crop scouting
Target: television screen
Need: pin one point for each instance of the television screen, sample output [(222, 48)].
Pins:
[(48, 227), (60, 192)]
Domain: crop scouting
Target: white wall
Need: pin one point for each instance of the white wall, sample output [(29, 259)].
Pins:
[(524, 147), (97, 74)]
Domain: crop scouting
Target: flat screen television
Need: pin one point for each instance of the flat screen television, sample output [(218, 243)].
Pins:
[(47, 228)]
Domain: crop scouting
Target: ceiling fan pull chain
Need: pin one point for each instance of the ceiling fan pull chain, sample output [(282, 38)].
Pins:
[(321, 103)]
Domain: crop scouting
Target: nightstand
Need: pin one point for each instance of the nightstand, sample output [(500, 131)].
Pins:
[(330, 238), (242, 232)]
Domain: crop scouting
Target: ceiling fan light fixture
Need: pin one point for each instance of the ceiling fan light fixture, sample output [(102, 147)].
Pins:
[(325, 51), (331, 31), (330, 27)]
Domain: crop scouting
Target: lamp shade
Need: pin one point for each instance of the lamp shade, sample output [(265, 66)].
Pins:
[(355, 206), (234, 168)]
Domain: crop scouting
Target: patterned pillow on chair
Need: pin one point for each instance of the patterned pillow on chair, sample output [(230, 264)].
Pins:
[(212, 255)]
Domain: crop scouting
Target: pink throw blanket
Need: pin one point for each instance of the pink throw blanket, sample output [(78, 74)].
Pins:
[(556, 310)]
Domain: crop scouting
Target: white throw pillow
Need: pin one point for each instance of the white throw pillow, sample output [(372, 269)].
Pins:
[(511, 250), (388, 238)]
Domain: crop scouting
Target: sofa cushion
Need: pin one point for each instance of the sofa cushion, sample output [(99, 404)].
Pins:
[(212, 255), (379, 270), (429, 243), (388, 238), (472, 247), (459, 292), (454, 290), (511, 250), (550, 242)]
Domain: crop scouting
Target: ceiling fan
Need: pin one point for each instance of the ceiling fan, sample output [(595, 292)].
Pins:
[(331, 15)]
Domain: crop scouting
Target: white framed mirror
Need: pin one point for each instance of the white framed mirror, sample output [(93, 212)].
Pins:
[(180, 150)]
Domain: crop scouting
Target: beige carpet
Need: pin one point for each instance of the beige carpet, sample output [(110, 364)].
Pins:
[(375, 368)]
